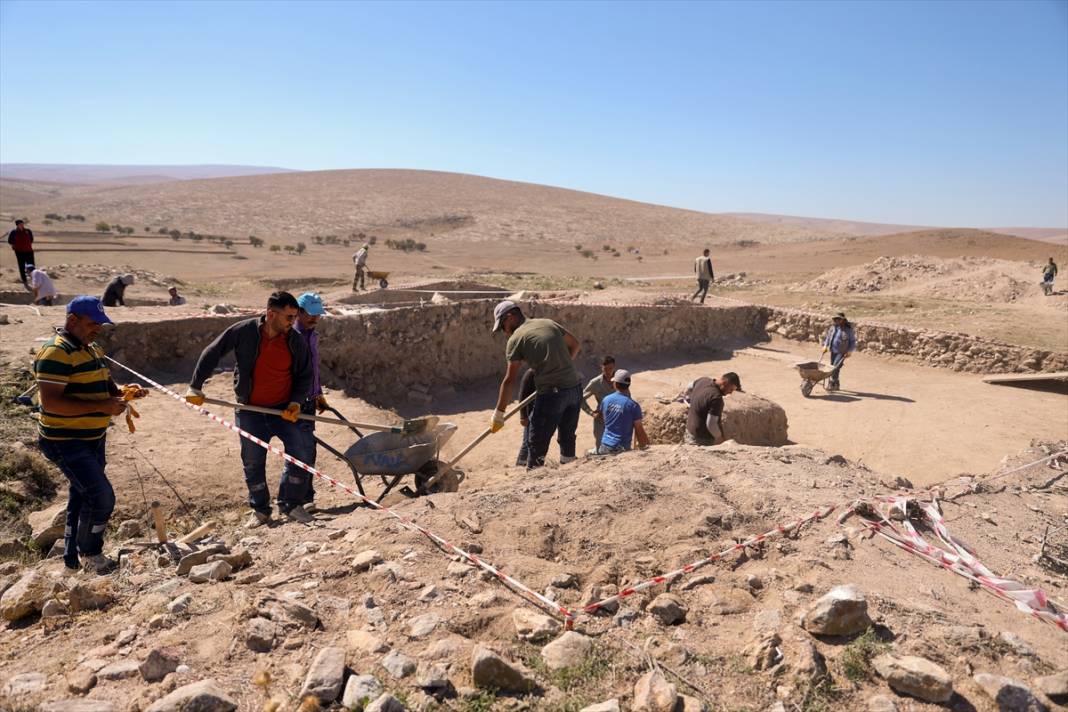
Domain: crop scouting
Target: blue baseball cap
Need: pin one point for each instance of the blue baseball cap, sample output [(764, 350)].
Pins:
[(90, 307), (311, 303)]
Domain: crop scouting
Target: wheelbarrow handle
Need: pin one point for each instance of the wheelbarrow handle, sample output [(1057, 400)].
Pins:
[(430, 422)]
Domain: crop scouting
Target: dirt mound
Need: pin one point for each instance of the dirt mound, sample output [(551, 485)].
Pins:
[(747, 419), (102, 274), (968, 278)]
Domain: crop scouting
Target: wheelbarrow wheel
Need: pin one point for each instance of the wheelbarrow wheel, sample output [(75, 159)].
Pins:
[(806, 388), (450, 482), (382, 283)]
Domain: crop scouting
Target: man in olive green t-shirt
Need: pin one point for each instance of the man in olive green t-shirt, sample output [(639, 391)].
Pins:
[(549, 350)]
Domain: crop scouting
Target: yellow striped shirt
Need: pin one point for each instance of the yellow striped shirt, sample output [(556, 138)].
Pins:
[(82, 371)]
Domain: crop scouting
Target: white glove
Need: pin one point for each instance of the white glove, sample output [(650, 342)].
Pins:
[(498, 421)]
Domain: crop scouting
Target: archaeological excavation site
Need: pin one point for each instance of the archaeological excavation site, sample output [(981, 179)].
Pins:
[(834, 552)]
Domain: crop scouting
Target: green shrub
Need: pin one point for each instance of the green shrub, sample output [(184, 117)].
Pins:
[(301, 247), (103, 227), (276, 248)]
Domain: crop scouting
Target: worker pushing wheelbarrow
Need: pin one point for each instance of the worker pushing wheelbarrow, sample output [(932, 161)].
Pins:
[(840, 341)]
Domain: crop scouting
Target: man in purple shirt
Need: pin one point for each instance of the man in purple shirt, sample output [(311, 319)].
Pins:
[(310, 308)]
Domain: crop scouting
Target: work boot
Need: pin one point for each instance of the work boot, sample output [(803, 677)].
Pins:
[(299, 514), (310, 507), (564, 459), (257, 519), (98, 564)]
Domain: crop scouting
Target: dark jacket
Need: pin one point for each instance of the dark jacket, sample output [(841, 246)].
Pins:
[(115, 293), (21, 243), (243, 338)]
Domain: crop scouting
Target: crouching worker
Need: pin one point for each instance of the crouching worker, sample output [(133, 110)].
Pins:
[(78, 398), (272, 369), (622, 418), (704, 419)]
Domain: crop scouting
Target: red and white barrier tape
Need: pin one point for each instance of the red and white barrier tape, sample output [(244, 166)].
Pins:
[(531, 595), (689, 568), (954, 556), (1052, 459)]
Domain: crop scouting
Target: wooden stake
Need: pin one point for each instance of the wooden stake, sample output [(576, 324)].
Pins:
[(197, 533), (157, 521)]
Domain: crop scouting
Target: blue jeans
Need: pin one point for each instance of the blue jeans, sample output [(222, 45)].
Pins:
[(524, 447), (90, 499), (837, 361), (555, 411), (293, 487), (307, 429)]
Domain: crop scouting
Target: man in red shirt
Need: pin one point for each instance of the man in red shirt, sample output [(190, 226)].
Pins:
[(273, 369), (21, 241)]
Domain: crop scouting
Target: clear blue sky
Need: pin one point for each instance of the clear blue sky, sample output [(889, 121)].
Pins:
[(951, 113)]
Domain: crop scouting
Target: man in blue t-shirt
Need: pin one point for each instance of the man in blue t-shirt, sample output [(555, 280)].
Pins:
[(622, 418)]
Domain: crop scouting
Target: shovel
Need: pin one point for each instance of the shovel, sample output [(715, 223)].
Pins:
[(408, 427), (448, 466)]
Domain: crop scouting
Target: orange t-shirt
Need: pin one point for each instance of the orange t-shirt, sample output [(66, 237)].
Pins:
[(272, 377)]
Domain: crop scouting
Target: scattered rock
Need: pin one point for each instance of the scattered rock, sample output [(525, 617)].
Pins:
[(881, 703), (54, 609), (360, 688), (698, 581), (365, 560), (260, 635), (1054, 686), (203, 696), (611, 705), (78, 705), (842, 611), (489, 670), (129, 529), (810, 668), (599, 592), (366, 642), (534, 627), (195, 558), (159, 664), (569, 650), (690, 704), (237, 559), (398, 664), (180, 606), (91, 595), (121, 670), (1018, 644), (732, 601), (299, 613), (81, 681), (26, 597), (326, 675), (625, 617), (424, 625), (764, 653), (215, 571), (25, 684), (653, 693), (385, 703), (915, 676), (1008, 694), (433, 677), (668, 609), (429, 593), (565, 580), (47, 525)]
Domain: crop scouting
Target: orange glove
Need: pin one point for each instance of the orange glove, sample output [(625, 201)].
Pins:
[(498, 421), (129, 393), (291, 412)]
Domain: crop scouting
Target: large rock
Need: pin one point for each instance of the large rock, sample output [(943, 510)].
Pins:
[(534, 627), (25, 684), (203, 696), (91, 595), (1008, 694), (160, 663), (489, 670), (215, 571), (915, 676), (668, 609), (386, 703), (119, 670), (360, 689), (398, 664), (653, 693), (569, 650), (424, 625), (326, 675), (747, 419), (1054, 686), (843, 611), (260, 635), (366, 641), (47, 525), (26, 597)]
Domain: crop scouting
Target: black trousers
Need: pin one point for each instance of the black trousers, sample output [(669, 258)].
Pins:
[(24, 258)]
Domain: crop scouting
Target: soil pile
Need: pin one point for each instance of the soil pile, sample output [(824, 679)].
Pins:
[(747, 419)]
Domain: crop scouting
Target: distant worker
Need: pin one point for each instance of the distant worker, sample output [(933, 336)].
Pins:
[(176, 299), (704, 419), (78, 398), (622, 418), (310, 309), (702, 266), (599, 387), (115, 294), (359, 260), (526, 387), (21, 241), (44, 291), (549, 350), (841, 341), (1049, 271), (272, 369)]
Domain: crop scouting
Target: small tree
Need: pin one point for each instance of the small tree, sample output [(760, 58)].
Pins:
[(148, 229), (163, 231), (301, 247), (289, 248), (103, 227), (276, 248), (255, 241), (373, 239), (175, 235), (46, 221), (228, 244)]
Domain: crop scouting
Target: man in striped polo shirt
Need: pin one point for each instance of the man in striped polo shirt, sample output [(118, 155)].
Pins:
[(78, 399)]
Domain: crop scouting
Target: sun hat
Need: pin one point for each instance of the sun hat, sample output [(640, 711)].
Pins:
[(311, 303)]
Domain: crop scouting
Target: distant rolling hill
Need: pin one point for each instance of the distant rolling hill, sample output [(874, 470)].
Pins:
[(125, 174)]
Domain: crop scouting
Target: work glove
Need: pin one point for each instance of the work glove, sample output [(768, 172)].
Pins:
[(320, 403), (291, 412), (194, 396), (498, 421)]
